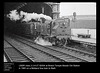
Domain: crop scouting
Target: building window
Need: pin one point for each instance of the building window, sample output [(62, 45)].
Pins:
[(43, 10), (54, 8)]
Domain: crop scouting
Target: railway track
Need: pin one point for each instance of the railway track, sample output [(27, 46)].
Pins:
[(33, 53), (81, 51), (83, 55), (65, 56), (90, 48), (14, 55), (77, 53)]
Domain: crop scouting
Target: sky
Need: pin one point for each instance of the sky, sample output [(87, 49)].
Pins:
[(81, 8)]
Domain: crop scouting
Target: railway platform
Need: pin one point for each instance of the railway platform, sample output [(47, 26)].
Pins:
[(84, 40)]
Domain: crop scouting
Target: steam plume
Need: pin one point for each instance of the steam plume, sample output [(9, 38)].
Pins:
[(24, 16)]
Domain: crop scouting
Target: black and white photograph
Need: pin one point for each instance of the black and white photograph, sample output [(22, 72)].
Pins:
[(49, 32)]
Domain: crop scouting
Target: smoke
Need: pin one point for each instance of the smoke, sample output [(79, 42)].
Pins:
[(43, 42), (13, 15), (24, 16)]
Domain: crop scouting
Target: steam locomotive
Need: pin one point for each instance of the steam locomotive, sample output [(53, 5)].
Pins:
[(57, 31)]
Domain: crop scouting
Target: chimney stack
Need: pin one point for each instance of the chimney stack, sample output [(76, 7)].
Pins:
[(74, 17)]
